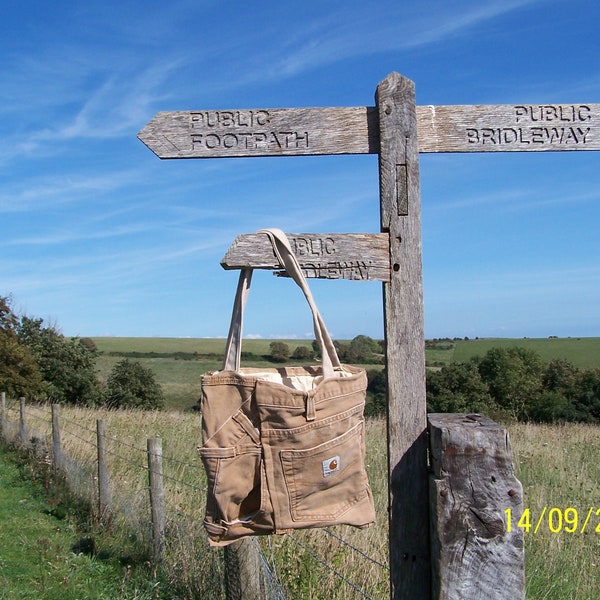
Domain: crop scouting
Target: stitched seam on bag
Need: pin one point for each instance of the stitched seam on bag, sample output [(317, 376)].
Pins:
[(301, 399), (339, 440), (246, 424), (329, 516), (229, 452), (350, 393), (286, 432), (230, 418)]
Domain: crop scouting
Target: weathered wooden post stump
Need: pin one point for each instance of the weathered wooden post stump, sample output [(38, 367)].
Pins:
[(474, 552)]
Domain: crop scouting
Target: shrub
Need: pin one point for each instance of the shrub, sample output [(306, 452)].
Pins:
[(88, 344), (513, 377), (280, 352), (457, 387), (376, 393), (130, 385), (302, 353)]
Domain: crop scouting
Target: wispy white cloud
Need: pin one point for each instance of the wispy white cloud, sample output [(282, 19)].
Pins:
[(98, 104), (343, 35), (56, 190)]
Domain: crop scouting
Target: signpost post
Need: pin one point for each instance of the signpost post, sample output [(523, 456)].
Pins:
[(397, 130)]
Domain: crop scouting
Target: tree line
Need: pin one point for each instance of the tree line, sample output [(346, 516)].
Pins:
[(360, 350), (37, 361), (512, 383)]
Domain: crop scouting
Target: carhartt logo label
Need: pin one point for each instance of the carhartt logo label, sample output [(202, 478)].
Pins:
[(331, 465)]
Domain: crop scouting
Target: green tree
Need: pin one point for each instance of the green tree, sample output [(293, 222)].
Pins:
[(555, 402), (67, 368), (280, 352), (376, 404), (549, 406), (19, 373), (366, 348), (302, 353), (8, 319), (457, 387), (585, 405), (361, 350), (513, 377), (131, 385)]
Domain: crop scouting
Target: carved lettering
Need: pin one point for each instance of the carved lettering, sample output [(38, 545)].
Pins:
[(229, 118), (272, 140), (241, 130), (357, 270), (549, 112), (314, 247), (539, 125), (528, 135)]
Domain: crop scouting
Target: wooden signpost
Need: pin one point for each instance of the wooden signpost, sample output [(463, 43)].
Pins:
[(397, 130), (310, 131)]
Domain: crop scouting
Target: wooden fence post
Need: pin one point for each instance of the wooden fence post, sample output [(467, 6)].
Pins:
[(22, 426), (243, 571), (474, 554), (57, 457), (103, 488), (157, 505), (410, 576), (2, 413)]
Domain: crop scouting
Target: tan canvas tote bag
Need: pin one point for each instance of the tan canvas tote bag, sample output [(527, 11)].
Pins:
[(283, 448)]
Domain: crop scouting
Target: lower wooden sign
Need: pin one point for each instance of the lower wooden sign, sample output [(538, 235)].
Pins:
[(356, 256)]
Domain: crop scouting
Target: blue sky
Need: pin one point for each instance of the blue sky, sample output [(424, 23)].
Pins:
[(100, 237)]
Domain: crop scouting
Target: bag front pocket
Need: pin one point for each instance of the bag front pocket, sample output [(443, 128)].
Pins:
[(325, 481)]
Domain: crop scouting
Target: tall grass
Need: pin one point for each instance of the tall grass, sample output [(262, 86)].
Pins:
[(558, 466)]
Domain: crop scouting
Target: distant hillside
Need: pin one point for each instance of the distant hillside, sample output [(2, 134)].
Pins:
[(583, 352)]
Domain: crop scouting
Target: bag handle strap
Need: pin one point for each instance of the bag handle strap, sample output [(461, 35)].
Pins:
[(288, 260)]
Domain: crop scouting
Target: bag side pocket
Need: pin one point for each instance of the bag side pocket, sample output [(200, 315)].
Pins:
[(233, 473)]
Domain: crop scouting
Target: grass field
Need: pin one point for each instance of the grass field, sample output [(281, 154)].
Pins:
[(583, 352), (558, 466), (180, 376), (38, 547)]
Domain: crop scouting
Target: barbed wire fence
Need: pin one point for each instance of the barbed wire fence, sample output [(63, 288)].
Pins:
[(149, 493)]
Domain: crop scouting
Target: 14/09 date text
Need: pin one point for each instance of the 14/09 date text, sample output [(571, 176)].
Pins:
[(557, 520)]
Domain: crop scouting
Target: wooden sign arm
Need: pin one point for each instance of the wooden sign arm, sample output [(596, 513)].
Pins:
[(356, 256)]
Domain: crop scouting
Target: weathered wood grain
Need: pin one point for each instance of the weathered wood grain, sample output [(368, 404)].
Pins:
[(355, 130), (473, 482), (404, 336), (509, 128), (262, 132), (357, 256)]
